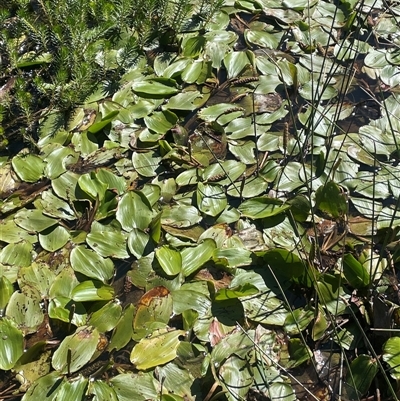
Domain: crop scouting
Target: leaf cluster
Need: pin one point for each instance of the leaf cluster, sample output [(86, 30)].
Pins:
[(55, 53)]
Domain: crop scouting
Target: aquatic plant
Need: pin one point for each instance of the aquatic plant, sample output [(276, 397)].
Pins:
[(204, 210)]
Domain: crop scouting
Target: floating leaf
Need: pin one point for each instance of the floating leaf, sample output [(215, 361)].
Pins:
[(391, 356), (134, 211), (29, 168), (33, 220), (90, 184), (11, 343), (53, 238), (363, 371), (170, 260), (122, 333), (92, 290), (298, 320), (25, 311), (76, 350), (211, 199), (91, 264), (236, 292), (236, 377), (261, 207), (130, 387), (235, 62), (161, 121), (139, 243), (17, 254), (193, 46), (157, 349), (355, 273), (179, 217), (106, 242), (330, 199), (106, 318), (154, 89), (285, 262), (6, 290), (154, 306), (194, 258)]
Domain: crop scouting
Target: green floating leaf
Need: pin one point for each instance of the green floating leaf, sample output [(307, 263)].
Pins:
[(92, 290), (391, 355), (233, 257), (330, 199), (211, 113), (99, 125), (300, 207), (105, 318), (74, 390), (134, 211), (65, 310), (33, 220), (76, 350), (11, 233), (281, 391), (45, 388), (298, 320), (101, 391), (236, 292), (235, 62), (261, 38), (183, 101), (261, 207), (91, 185), (236, 377), (147, 163), (179, 380), (53, 238), (122, 333), (177, 216), (266, 310), (57, 161), (331, 292), (107, 243), (38, 276), (193, 46), (363, 371), (29, 168), (139, 243), (154, 306), (17, 254), (187, 297), (157, 349), (170, 260), (355, 273), (211, 199), (25, 311), (11, 343), (299, 352), (154, 89), (130, 387), (195, 257), (285, 262), (53, 206), (6, 290), (320, 325), (91, 264), (65, 186), (161, 121)]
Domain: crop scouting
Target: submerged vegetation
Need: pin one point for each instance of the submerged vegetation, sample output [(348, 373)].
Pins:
[(199, 200)]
